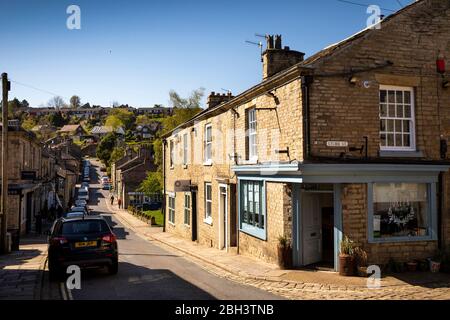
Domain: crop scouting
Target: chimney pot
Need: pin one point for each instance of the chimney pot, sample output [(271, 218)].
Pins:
[(276, 59)]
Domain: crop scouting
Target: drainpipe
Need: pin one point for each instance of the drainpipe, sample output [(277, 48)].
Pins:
[(164, 143), (306, 81), (439, 208)]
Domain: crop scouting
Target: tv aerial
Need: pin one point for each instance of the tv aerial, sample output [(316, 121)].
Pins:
[(259, 43)]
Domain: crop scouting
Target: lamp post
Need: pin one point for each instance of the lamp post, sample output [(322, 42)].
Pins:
[(4, 169)]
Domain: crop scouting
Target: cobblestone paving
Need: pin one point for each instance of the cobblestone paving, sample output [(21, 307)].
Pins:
[(390, 290)]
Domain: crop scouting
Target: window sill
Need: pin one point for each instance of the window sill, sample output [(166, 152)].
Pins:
[(253, 231), (171, 224), (207, 163), (402, 239), (187, 225), (208, 221), (185, 166), (171, 167), (400, 154)]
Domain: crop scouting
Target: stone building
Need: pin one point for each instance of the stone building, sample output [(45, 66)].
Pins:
[(128, 172), (29, 175), (350, 141)]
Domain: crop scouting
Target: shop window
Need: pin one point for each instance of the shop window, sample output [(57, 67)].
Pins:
[(252, 208), (401, 211)]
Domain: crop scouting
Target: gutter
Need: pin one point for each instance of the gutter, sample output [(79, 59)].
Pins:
[(306, 81)]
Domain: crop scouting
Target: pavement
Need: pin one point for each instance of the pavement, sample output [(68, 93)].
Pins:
[(23, 272), (291, 284)]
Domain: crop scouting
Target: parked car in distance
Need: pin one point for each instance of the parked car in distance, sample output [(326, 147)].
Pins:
[(104, 179), (83, 194), (103, 169), (79, 209), (85, 185), (74, 214), (106, 186), (86, 179), (80, 203), (84, 241)]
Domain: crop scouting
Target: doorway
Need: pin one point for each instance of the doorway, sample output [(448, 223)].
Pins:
[(223, 217), (28, 212), (317, 228)]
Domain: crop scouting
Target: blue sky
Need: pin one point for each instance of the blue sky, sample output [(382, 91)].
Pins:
[(136, 51)]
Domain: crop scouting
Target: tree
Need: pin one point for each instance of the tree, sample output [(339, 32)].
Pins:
[(75, 102), (56, 119), (56, 102), (105, 148), (13, 107), (24, 104), (117, 154), (193, 101), (120, 117), (152, 184), (184, 108), (29, 123)]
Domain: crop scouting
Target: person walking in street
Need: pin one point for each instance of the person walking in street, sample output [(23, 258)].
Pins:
[(112, 199), (119, 202)]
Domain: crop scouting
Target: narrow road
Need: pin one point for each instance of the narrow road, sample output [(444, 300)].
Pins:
[(146, 271)]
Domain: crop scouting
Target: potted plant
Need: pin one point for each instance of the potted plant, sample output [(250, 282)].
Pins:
[(435, 262), (284, 253), (361, 261), (346, 258), (422, 265), (411, 266)]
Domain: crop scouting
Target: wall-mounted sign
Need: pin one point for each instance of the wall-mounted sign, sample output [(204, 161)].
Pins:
[(341, 144), (182, 186), (28, 175)]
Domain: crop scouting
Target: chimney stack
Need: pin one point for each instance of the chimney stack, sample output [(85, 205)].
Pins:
[(214, 99), (277, 59)]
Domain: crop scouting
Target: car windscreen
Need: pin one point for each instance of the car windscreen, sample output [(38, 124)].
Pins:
[(84, 227), (82, 193)]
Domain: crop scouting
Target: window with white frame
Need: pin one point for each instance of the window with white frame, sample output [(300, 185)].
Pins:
[(208, 201), (397, 118), (185, 149), (172, 153), (172, 209), (252, 215), (187, 209), (400, 210), (208, 144), (252, 147)]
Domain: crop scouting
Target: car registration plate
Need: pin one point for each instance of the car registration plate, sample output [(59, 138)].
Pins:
[(85, 244)]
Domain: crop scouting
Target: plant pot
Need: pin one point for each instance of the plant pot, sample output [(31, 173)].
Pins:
[(423, 265), (435, 266), (411, 266), (284, 257), (362, 272), (346, 265)]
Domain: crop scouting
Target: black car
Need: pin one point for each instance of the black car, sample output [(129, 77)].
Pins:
[(85, 241)]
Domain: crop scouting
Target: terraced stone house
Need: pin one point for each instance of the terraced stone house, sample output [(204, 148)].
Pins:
[(350, 141)]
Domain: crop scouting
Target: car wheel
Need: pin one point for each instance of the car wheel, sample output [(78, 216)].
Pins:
[(114, 267)]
